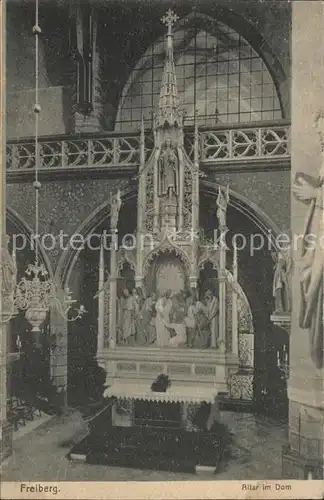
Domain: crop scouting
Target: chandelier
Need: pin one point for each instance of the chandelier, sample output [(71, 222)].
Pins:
[(37, 293)]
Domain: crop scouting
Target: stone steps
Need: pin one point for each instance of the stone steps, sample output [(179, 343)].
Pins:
[(152, 448)]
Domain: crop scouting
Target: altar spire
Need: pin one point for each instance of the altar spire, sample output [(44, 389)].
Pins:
[(168, 113)]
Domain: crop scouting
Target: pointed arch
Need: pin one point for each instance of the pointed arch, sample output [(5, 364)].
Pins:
[(70, 255), (18, 222), (167, 246), (238, 44), (248, 208), (97, 217)]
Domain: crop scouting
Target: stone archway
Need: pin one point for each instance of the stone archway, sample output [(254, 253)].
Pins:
[(78, 269), (258, 295), (255, 277), (70, 255), (166, 272)]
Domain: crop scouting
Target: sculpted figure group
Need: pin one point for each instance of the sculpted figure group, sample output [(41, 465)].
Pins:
[(168, 319)]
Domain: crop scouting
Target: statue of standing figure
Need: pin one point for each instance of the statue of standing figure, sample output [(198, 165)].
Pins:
[(309, 190), (222, 202), (168, 169), (146, 333), (281, 282), (163, 310), (8, 272), (312, 264), (212, 312), (127, 318), (115, 208)]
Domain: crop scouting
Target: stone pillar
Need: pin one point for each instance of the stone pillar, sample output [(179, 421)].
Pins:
[(222, 293), (5, 427), (113, 291), (59, 361), (93, 121), (181, 193), (235, 305), (101, 303), (303, 456), (155, 193)]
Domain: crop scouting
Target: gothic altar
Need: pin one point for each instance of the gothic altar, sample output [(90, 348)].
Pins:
[(170, 304)]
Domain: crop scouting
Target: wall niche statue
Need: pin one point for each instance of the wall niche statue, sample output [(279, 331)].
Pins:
[(281, 281), (8, 276), (168, 165)]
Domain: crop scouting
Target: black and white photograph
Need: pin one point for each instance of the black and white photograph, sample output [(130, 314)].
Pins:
[(162, 248)]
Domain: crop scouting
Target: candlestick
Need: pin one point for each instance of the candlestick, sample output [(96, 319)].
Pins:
[(18, 343)]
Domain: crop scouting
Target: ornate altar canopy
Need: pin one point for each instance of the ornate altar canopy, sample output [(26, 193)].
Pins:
[(167, 321)]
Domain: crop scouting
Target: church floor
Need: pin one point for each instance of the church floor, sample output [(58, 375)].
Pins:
[(41, 454)]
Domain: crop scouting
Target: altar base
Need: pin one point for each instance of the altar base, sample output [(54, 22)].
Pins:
[(191, 367)]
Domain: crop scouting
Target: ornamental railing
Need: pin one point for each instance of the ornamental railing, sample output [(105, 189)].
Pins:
[(221, 145), (75, 153), (216, 146)]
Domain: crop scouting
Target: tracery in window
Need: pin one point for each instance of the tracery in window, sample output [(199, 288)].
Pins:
[(220, 74)]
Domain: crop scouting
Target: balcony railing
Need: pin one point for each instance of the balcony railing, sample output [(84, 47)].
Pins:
[(218, 145)]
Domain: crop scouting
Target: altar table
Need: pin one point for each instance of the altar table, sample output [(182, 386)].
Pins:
[(183, 395)]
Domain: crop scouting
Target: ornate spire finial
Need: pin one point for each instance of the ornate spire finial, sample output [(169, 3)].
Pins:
[(170, 19), (168, 113)]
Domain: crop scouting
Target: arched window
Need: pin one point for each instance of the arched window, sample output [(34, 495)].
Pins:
[(218, 72)]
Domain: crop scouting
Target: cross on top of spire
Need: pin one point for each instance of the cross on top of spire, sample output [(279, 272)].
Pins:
[(170, 19)]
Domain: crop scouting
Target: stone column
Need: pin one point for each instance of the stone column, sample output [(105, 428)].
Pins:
[(222, 297), (235, 304), (113, 291), (59, 360), (181, 193), (101, 304), (222, 203), (5, 427), (114, 216), (141, 204), (303, 457), (93, 121), (155, 193)]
